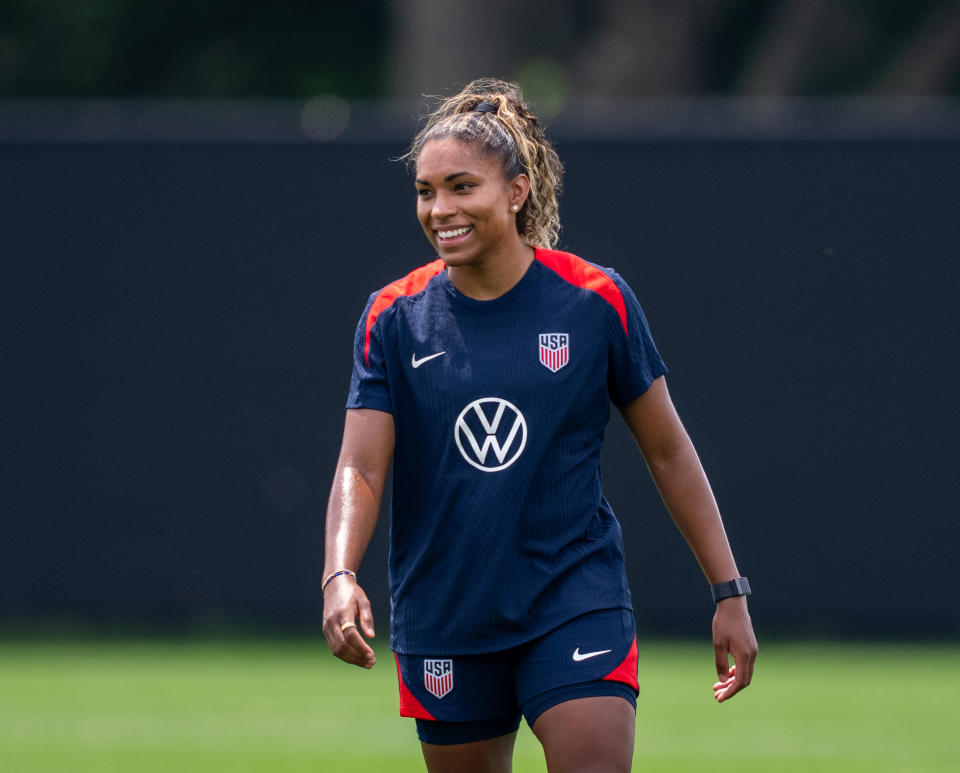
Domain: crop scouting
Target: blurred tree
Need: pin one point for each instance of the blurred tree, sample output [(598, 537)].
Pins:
[(639, 48), (222, 48), (436, 45), (928, 59), (648, 48), (853, 46), (615, 48)]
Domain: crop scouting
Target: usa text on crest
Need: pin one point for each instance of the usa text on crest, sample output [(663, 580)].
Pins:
[(554, 350)]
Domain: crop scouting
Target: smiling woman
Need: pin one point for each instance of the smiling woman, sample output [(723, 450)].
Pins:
[(486, 378), (491, 117), (470, 216)]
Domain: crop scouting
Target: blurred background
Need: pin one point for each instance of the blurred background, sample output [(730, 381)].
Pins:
[(196, 199)]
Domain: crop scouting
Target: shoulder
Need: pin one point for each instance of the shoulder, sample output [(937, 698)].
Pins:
[(407, 286), (576, 271)]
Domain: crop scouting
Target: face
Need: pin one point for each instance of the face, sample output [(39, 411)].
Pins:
[(464, 203)]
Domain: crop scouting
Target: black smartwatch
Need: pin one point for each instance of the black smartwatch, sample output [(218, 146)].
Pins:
[(725, 590)]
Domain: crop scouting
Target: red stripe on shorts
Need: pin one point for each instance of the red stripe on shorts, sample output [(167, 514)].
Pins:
[(409, 705), (626, 672)]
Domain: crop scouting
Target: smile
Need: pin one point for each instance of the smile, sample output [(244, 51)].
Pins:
[(454, 232)]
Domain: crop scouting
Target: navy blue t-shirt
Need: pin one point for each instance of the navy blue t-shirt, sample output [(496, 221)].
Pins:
[(499, 530)]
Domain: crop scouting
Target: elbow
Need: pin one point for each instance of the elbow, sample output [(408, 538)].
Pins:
[(669, 455)]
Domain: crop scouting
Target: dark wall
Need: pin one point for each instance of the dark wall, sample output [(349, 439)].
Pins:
[(177, 340)]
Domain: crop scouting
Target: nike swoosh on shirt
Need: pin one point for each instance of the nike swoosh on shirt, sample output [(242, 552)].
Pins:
[(578, 656), (417, 363)]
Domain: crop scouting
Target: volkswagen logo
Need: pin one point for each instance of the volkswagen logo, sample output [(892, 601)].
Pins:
[(491, 433)]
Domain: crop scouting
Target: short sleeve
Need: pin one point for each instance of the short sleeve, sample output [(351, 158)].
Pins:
[(369, 387), (634, 362)]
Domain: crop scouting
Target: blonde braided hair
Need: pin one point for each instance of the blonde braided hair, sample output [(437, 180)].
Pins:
[(504, 128)]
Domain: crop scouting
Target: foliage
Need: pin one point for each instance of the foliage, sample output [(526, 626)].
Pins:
[(372, 48), (211, 48)]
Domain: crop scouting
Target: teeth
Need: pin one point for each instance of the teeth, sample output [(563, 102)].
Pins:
[(454, 232)]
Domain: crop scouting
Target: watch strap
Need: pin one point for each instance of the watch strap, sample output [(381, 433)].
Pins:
[(739, 586)]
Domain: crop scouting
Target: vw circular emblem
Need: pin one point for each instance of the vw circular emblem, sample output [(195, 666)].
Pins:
[(491, 433)]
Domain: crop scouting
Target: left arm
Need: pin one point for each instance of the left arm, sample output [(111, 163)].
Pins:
[(682, 483)]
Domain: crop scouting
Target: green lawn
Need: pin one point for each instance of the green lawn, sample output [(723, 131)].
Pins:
[(274, 706)]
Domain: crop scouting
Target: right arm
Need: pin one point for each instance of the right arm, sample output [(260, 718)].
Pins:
[(365, 455)]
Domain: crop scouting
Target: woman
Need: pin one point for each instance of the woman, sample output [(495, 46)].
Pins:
[(485, 378)]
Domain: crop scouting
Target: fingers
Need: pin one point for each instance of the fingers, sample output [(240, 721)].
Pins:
[(356, 651), (733, 637), (366, 614), (722, 661), (722, 689), (347, 644), (746, 662), (738, 676), (727, 688), (341, 611), (745, 655)]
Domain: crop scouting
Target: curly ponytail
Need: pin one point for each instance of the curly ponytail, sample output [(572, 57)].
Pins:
[(493, 115)]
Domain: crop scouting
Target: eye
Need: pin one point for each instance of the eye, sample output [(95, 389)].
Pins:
[(423, 193), (462, 186)]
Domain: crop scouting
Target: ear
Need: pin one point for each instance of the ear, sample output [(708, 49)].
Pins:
[(519, 190)]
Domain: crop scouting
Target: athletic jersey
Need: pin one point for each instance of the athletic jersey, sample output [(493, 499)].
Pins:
[(499, 531)]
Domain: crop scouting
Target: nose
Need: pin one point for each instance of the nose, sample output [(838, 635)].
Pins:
[(443, 205)]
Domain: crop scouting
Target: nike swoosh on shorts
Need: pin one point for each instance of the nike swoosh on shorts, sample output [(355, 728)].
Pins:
[(578, 656)]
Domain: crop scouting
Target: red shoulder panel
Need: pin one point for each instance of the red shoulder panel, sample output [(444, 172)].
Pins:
[(409, 705), (411, 284), (579, 272), (627, 671)]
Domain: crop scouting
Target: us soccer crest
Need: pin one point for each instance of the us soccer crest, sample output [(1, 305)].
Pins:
[(554, 350), (438, 676)]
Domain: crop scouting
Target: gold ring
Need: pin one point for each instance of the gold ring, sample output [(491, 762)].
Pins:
[(346, 625)]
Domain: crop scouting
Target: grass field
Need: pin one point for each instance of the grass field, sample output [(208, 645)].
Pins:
[(245, 706)]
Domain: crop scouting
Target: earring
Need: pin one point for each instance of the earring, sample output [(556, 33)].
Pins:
[(515, 207)]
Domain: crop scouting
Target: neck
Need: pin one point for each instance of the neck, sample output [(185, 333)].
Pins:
[(494, 276)]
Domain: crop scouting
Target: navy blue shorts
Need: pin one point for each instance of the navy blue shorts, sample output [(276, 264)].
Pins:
[(463, 698)]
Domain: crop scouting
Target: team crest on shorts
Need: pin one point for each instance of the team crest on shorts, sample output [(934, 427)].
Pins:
[(438, 676), (554, 350)]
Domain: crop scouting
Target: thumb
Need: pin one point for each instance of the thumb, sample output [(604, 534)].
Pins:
[(366, 620), (722, 662), (365, 614)]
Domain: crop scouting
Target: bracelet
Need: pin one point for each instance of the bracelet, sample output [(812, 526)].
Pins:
[(329, 577), (739, 586)]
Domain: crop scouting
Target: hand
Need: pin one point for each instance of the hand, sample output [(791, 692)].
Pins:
[(733, 635), (344, 601)]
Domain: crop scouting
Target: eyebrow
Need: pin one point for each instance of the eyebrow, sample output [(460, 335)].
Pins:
[(446, 179)]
